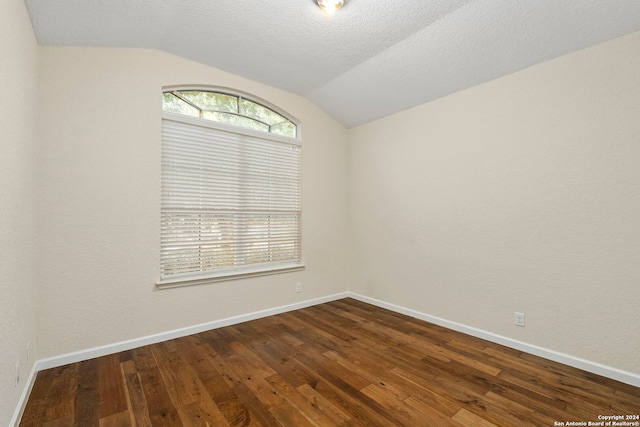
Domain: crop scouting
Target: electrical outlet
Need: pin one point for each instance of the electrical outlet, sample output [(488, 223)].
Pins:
[(298, 287), (17, 373), (519, 317)]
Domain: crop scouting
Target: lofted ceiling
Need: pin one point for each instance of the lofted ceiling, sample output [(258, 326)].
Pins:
[(371, 59)]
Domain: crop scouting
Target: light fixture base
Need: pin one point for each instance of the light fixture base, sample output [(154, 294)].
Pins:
[(330, 6)]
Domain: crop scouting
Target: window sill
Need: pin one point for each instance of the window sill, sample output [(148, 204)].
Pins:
[(220, 276)]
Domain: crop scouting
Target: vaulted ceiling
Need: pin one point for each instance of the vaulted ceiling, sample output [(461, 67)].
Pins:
[(371, 59)]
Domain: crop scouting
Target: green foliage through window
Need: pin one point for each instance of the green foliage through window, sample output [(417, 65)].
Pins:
[(228, 109)]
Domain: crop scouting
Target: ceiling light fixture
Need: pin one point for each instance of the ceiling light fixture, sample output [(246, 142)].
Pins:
[(330, 6)]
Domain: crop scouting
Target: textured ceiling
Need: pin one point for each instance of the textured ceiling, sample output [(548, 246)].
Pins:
[(371, 59)]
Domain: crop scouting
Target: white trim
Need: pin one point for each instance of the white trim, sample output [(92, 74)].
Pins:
[(235, 92), (24, 396), (78, 356), (104, 350), (577, 362)]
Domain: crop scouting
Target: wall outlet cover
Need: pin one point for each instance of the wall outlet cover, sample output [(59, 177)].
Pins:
[(519, 319)]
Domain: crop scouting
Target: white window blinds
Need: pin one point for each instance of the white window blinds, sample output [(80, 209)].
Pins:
[(230, 202)]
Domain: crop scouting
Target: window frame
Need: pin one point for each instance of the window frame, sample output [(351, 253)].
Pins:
[(241, 96), (236, 271)]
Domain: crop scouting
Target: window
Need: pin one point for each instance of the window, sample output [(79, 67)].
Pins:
[(229, 109), (230, 204)]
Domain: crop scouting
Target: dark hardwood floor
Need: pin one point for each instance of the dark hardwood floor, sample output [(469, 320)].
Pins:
[(340, 363)]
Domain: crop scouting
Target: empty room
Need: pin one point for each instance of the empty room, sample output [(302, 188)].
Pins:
[(320, 213)]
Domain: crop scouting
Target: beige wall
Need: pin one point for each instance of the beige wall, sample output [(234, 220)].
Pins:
[(18, 101), (522, 194), (100, 201)]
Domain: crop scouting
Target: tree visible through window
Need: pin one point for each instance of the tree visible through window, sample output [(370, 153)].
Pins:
[(230, 199), (228, 109)]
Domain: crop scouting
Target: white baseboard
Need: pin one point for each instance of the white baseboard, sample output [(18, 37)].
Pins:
[(52, 362), (586, 365), (26, 391), (104, 350)]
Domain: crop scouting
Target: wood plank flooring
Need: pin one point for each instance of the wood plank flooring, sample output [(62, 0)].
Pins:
[(344, 363)]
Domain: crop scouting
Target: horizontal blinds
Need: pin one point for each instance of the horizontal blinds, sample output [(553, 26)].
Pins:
[(229, 200)]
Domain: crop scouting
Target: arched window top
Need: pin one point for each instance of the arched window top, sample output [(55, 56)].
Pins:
[(229, 109)]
